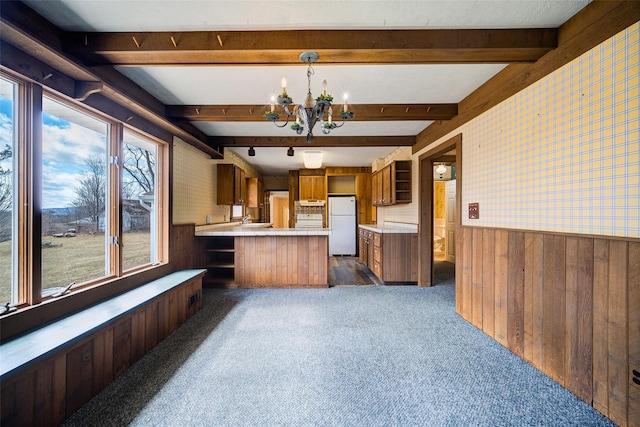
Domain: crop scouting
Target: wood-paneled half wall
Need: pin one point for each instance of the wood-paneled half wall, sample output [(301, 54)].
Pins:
[(568, 304), (281, 261)]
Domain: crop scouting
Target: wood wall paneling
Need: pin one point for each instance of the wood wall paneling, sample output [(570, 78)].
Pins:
[(515, 293), (568, 304), (292, 261), (488, 280), (634, 332), (476, 279), (618, 331), (553, 331), (533, 298), (54, 388), (501, 281), (600, 329), (579, 303)]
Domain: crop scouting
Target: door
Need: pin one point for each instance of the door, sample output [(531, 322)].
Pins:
[(450, 227)]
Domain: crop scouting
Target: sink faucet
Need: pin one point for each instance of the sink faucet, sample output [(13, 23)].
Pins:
[(245, 219)]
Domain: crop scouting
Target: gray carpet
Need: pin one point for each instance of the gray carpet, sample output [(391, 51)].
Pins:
[(344, 356)]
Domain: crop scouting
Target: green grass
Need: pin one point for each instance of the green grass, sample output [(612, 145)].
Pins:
[(77, 259)]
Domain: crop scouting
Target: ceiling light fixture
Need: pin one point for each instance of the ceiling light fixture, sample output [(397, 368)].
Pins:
[(252, 152), (312, 159), (290, 152), (310, 112), (441, 168)]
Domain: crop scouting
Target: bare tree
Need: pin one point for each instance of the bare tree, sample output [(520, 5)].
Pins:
[(5, 181), (6, 194), (90, 193), (139, 165)]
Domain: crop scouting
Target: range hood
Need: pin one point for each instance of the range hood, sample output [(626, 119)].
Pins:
[(311, 202)]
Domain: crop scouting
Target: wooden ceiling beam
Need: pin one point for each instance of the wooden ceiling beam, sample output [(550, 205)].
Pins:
[(335, 46), (318, 141), (362, 112)]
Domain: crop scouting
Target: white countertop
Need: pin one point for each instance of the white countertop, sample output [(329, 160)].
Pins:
[(391, 227), (256, 229)]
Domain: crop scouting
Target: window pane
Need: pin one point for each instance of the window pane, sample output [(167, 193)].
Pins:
[(8, 237), (74, 196), (139, 205)]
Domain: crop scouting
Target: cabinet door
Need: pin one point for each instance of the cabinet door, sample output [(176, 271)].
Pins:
[(226, 184), (240, 186), (386, 185), (255, 190), (376, 186), (313, 187)]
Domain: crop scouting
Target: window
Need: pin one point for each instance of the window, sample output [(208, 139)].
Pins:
[(139, 202), (75, 226), (83, 198), (8, 240)]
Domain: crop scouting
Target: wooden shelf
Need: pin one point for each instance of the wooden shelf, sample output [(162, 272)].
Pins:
[(220, 261)]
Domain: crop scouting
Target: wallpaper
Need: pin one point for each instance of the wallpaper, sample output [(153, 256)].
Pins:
[(562, 155)]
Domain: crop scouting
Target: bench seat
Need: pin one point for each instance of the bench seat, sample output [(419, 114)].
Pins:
[(132, 322)]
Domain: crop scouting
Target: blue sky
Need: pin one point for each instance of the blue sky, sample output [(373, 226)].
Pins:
[(65, 148)]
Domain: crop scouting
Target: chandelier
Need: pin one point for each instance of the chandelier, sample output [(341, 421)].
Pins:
[(312, 111)]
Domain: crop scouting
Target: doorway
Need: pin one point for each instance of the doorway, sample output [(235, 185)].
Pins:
[(449, 153), (279, 205)]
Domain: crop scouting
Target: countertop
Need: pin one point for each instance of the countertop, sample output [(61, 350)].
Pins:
[(391, 227), (256, 229)]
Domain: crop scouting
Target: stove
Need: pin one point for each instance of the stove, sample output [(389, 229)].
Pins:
[(309, 220)]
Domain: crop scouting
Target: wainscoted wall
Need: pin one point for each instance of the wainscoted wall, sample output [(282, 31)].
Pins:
[(568, 304)]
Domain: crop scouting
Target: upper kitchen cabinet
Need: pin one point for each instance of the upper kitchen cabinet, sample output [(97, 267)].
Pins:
[(232, 185), (392, 184), (313, 184), (255, 191)]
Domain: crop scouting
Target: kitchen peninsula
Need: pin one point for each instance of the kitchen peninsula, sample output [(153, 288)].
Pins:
[(256, 255)]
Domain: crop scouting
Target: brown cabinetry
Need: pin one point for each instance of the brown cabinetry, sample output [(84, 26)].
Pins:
[(232, 186), (365, 247), (255, 193), (392, 257), (313, 187), (392, 184)]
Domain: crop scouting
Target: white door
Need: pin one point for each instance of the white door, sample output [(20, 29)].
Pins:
[(450, 214)]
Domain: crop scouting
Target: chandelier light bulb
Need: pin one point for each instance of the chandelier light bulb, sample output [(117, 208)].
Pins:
[(273, 103), (283, 82), (345, 106), (324, 87)]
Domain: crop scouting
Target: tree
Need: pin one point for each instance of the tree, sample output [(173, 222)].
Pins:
[(91, 192), (6, 186), (139, 164), (6, 194)]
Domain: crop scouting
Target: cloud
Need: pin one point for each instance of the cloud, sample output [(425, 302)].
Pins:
[(66, 147)]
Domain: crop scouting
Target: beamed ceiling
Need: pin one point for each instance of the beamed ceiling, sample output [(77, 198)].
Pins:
[(412, 69)]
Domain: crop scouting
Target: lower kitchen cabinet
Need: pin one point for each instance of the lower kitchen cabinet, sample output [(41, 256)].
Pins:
[(393, 257)]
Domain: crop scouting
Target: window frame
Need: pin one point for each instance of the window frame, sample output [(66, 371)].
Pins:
[(27, 187)]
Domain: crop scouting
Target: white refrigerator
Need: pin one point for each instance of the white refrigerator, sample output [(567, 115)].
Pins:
[(342, 222)]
